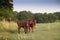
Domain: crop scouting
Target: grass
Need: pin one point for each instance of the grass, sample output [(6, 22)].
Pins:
[(43, 31)]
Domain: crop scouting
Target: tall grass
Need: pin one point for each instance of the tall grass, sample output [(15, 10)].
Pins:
[(8, 26), (45, 31)]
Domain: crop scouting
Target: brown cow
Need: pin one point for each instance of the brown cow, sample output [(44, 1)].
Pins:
[(23, 24), (26, 24), (32, 24)]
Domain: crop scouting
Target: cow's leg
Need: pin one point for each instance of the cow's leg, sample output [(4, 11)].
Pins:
[(19, 29), (32, 28), (25, 29), (29, 29)]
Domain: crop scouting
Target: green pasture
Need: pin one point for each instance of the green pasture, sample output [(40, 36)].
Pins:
[(43, 31)]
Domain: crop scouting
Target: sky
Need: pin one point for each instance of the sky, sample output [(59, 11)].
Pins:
[(37, 6)]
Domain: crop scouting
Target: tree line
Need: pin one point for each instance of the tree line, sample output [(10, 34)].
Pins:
[(6, 11), (39, 17)]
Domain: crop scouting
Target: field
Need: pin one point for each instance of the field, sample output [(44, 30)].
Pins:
[(43, 31)]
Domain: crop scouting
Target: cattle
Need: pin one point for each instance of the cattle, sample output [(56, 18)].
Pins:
[(23, 24), (26, 24), (31, 24)]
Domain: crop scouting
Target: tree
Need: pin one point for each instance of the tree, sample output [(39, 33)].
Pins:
[(24, 15), (45, 18), (38, 17), (6, 4), (57, 14), (52, 17), (6, 8)]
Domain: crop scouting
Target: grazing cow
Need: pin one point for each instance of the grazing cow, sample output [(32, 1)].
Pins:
[(32, 24), (26, 24), (23, 24)]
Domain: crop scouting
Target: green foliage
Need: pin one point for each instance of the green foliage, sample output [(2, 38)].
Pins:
[(57, 14), (38, 17), (24, 15), (6, 9), (6, 13), (6, 4), (52, 17), (45, 18)]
